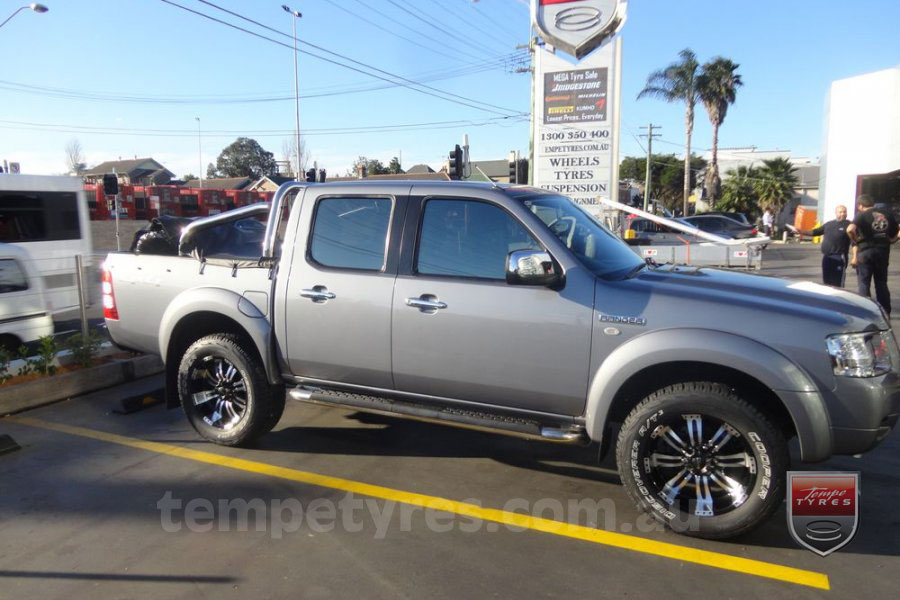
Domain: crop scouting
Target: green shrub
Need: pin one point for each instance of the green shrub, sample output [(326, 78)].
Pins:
[(46, 352), (84, 349), (27, 367), (5, 357)]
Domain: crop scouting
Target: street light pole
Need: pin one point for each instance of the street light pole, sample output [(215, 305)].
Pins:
[(38, 8), (200, 151), (296, 14)]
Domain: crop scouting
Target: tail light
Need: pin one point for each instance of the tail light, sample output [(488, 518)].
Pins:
[(754, 231), (109, 296)]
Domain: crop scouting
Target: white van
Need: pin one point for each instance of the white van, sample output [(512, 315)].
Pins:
[(47, 216), (23, 305)]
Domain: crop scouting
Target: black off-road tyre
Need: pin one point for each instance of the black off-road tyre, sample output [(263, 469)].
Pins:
[(225, 393), (676, 478)]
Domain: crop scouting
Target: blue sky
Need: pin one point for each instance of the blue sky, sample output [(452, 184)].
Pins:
[(154, 53)]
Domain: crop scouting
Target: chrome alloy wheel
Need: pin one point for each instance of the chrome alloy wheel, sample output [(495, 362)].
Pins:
[(699, 465), (218, 391)]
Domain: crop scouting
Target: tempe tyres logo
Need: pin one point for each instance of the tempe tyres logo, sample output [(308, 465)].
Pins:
[(578, 26), (823, 509)]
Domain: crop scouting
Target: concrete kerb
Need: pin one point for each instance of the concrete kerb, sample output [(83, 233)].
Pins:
[(23, 396)]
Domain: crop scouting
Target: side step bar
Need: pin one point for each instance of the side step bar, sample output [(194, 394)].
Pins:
[(467, 419)]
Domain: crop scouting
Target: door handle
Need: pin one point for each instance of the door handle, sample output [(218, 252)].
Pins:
[(318, 294), (425, 303)]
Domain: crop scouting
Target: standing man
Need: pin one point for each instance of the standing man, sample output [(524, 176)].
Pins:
[(873, 231), (835, 246), (768, 221)]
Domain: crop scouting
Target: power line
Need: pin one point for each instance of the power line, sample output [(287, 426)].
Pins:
[(217, 133), (487, 17), (334, 62), (426, 21), (395, 34), (468, 24), (428, 37), (70, 93), (344, 57), (492, 35), (721, 152)]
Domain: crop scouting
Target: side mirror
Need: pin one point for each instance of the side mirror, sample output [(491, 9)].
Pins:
[(531, 267)]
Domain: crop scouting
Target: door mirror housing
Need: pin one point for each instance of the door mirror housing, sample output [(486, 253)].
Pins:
[(532, 267)]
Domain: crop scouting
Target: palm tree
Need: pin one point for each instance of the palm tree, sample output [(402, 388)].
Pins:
[(739, 191), (717, 84), (678, 83), (776, 182)]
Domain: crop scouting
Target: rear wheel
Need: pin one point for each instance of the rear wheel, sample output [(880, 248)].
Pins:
[(702, 460), (9, 344), (225, 393)]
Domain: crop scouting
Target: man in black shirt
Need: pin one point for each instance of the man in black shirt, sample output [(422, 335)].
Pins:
[(835, 246), (873, 230)]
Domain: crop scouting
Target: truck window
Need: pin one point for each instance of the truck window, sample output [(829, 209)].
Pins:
[(38, 216), (12, 279), (466, 238), (351, 233), (592, 244)]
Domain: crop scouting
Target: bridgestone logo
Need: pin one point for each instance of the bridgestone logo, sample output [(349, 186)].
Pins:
[(574, 87)]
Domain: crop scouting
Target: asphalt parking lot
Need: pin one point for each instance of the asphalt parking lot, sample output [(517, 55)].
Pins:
[(335, 503)]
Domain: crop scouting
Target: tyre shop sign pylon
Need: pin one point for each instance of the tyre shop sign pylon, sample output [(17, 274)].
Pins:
[(577, 26)]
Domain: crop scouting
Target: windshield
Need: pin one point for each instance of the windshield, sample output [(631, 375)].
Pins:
[(598, 249)]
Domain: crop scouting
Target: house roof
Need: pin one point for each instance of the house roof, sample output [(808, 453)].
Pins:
[(420, 168), (397, 177), (126, 167), (221, 183), (278, 179)]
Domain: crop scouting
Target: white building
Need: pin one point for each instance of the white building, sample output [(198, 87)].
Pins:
[(862, 141), (806, 192)]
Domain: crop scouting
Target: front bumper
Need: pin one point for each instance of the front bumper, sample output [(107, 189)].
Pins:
[(863, 411)]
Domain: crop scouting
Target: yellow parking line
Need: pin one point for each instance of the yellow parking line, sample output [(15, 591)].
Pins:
[(588, 534)]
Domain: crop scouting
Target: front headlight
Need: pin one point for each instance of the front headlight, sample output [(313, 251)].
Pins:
[(861, 354)]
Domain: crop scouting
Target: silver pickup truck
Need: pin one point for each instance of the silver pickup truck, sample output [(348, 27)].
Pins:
[(511, 309)]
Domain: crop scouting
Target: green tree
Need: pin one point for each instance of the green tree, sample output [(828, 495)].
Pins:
[(211, 171), (189, 177), (666, 176), (739, 192), (394, 166), (717, 83), (373, 167), (678, 83), (775, 186), (245, 158)]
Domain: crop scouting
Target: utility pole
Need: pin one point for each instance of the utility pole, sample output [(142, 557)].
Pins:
[(118, 241), (649, 135), (200, 152), (531, 46), (296, 14)]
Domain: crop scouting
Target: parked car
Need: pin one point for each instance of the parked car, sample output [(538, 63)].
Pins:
[(23, 306), (512, 309), (736, 216), (722, 226), (644, 232)]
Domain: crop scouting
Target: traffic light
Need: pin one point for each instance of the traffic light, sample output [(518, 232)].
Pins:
[(311, 176), (455, 169), (522, 171), (513, 171), (322, 175), (110, 184)]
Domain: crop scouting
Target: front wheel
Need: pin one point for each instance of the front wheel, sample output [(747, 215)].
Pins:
[(225, 393), (702, 460)]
